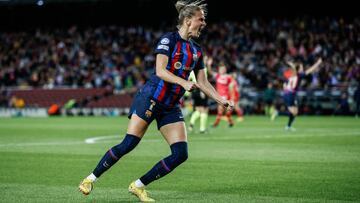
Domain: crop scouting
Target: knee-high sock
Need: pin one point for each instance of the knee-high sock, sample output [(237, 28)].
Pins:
[(195, 115), (179, 154), (115, 153), (203, 121), (291, 119)]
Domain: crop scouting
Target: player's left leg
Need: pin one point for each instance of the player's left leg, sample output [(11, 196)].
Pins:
[(172, 127), (175, 135)]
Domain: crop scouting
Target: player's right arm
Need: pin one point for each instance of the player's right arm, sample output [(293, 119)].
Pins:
[(164, 74)]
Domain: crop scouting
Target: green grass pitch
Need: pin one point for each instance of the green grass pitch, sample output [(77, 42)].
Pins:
[(44, 160)]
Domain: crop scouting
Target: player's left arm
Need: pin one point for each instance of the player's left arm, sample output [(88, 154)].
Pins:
[(210, 91), (314, 67)]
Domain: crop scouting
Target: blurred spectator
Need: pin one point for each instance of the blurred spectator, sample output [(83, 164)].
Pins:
[(122, 57), (357, 100), (16, 102), (343, 107)]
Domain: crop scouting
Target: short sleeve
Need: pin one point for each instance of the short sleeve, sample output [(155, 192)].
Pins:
[(200, 63), (165, 45)]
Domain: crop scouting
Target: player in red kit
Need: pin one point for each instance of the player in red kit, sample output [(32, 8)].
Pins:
[(223, 82)]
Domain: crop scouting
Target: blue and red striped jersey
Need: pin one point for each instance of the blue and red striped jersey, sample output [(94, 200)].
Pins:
[(184, 57), (291, 84)]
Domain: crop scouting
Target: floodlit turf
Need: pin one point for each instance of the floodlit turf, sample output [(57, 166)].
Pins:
[(44, 160)]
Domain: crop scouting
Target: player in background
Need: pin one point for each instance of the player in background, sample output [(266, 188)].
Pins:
[(223, 81), (269, 97), (235, 97), (293, 77), (176, 56), (200, 101)]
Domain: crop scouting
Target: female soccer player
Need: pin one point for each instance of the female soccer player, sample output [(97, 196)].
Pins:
[(176, 56), (293, 77), (223, 82)]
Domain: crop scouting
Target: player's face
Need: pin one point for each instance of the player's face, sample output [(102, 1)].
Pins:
[(197, 23), (222, 70)]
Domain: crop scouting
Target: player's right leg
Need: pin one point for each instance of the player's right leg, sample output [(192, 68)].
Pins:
[(136, 130), (140, 117)]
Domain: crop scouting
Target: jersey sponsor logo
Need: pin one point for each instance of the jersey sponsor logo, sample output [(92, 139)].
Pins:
[(177, 65), (165, 41), (164, 47)]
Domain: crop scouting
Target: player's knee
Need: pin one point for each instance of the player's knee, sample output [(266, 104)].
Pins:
[(179, 154), (128, 144), (181, 157)]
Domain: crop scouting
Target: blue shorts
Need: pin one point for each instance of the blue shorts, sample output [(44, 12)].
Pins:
[(290, 99), (149, 109)]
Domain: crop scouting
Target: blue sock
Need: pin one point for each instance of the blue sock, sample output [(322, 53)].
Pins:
[(179, 154), (115, 153), (291, 119)]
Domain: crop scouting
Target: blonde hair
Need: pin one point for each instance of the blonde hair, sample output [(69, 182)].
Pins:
[(187, 9)]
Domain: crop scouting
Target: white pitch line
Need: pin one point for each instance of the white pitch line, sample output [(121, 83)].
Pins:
[(93, 140), (39, 144), (109, 138)]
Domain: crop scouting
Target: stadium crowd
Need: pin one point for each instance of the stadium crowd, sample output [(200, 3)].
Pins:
[(122, 57)]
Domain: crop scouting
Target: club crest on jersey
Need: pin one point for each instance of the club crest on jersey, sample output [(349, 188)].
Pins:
[(177, 65), (195, 57)]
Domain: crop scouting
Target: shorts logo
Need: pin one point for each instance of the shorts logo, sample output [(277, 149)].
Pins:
[(152, 105), (177, 65), (148, 112), (165, 41)]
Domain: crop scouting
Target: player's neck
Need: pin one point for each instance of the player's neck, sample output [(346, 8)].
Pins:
[(184, 34)]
